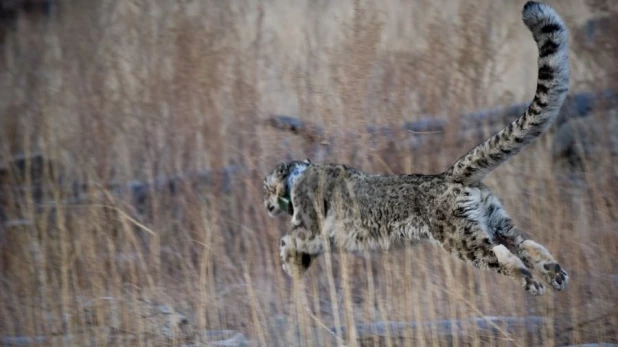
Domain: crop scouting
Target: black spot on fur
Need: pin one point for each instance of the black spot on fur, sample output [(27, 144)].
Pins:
[(535, 109), (470, 255), (546, 73), (460, 212), (548, 48), (439, 233), (530, 4), (495, 140), (482, 162), (495, 156), (550, 28), (505, 136), (306, 260), (525, 272), (417, 210), (520, 122), (467, 231), (491, 209), (540, 88), (552, 267), (541, 104), (470, 171)]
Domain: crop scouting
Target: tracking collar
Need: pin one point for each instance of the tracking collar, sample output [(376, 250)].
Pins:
[(284, 201)]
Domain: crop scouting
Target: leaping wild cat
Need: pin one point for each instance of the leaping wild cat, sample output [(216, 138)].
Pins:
[(353, 210)]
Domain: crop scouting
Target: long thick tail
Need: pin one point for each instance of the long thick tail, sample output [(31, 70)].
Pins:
[(551, 36)]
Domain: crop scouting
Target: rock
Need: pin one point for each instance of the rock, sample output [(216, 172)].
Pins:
[(485, 326), (155, 319), (21, 340), (580, 144), (225, 338)]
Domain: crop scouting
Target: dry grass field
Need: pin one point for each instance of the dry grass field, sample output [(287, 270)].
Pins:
[(135, 215)]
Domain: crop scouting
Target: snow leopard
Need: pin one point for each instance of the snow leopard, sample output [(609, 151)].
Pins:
[(337, 206)]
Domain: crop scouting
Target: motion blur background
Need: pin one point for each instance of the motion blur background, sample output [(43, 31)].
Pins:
[(134, 136)]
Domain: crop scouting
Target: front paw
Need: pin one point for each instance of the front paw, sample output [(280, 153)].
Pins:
[(287, 255), (533, 287), (293, 262), (287, 269), (291, 267)]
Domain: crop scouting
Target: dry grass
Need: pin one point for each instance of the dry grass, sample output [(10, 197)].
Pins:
[(140, 90)]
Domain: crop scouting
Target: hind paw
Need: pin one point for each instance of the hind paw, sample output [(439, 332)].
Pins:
[(556, 276), (534, 287)]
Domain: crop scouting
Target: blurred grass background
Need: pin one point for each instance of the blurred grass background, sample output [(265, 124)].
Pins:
[(134, 137)]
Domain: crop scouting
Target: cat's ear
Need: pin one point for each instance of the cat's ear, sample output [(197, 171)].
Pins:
[(307, 161)]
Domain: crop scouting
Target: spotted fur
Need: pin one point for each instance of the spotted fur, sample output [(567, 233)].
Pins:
[(334, 205), (551, 37)]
